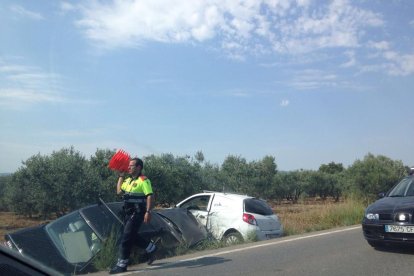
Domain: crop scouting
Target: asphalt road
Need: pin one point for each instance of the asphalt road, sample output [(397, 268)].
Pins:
[(340, 251)]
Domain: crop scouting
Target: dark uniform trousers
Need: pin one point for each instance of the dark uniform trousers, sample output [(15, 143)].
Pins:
[(132, 222)]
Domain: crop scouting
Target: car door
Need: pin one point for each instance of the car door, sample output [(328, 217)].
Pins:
[(199, 206)]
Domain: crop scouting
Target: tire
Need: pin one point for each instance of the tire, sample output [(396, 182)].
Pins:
[(232, 238)]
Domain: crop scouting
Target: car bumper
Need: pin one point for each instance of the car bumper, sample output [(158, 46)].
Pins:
[(376, 232), (266, 235), (253, 232)]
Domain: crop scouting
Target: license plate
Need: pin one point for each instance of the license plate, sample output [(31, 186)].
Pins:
[(399, 229)]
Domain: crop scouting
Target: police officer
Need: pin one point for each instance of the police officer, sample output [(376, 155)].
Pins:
[(138, 201)]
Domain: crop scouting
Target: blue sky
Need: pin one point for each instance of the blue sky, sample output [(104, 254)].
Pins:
[(308, 82)]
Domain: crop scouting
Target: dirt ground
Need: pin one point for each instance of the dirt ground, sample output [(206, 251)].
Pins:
[(9, 222)]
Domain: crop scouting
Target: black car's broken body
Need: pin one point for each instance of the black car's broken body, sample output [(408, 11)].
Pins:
[(69, 243), (392, 217)]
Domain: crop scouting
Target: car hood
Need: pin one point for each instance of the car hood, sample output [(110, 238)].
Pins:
[(33, 242), (392, 205), (184, 222)]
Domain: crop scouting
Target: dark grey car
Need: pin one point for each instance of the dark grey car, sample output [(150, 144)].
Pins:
[(69, 243), (391, 218)]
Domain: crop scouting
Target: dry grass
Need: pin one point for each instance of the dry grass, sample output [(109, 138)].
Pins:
[(314, 216), (9, 222)]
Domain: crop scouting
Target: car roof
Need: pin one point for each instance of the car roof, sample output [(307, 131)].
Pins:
[(224, 194)]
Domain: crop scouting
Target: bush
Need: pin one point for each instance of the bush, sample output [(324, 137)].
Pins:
[(107, 256)]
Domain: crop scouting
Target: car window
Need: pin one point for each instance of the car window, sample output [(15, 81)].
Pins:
[(257, 206), (410, 188), (101, 219), (73, 238), (197, 203), (403, 188)]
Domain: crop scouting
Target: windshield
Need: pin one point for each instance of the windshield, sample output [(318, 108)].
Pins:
[(74, 239), (404, 188), (101, 219)]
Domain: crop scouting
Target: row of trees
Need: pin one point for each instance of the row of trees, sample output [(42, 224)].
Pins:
[(66, 180)]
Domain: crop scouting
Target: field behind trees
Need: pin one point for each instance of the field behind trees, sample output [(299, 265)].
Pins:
[(49, 186)]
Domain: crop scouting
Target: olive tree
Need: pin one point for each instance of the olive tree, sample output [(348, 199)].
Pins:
[(57, 184), (375, 174)]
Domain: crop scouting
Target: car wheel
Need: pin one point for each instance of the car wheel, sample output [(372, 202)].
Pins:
[(376, 244), (233, 238)]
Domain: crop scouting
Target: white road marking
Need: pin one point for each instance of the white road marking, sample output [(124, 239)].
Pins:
[(244, 248)]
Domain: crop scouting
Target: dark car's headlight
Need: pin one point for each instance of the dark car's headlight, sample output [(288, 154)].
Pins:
[(402, 217), (371, 216)]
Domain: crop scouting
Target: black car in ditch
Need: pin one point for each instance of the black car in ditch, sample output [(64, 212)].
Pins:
[(391, 218), (70, 243)]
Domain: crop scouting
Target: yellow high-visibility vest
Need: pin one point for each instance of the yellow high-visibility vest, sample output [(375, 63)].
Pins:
[(139, 185)]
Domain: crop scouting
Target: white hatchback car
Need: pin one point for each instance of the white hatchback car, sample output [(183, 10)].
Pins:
[(233, 217)]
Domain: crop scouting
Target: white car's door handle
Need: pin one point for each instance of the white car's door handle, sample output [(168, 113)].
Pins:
[(201, 216)]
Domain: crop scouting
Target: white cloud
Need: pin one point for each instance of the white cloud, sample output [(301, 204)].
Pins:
[(13, 68), (239, 93), (388, 60), (129, 23), (313, 79), (337, 25), (283, 26), (400, 65), (284, 103), (9, 96), (379, 45), (66, 6), (21, 11), (242, 28), (22, 85), (351, 59)]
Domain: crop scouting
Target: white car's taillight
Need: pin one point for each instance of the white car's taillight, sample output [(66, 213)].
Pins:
[(250, 219)]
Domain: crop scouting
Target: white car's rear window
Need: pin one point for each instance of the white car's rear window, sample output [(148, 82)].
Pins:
[(257, 206)]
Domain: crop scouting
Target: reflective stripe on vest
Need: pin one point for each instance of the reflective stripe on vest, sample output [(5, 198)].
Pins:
[(135, 198)]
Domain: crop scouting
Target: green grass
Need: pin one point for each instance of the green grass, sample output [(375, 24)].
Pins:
[(108, 254)]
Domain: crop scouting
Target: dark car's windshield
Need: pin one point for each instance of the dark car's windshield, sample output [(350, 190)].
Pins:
[(100, 218), (73, 237), (404, 188), (257, 206)]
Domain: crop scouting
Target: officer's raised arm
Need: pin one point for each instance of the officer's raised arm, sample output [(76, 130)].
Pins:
[(119, 184)]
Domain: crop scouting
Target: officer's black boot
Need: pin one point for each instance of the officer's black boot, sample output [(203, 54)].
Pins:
[(120, 267), (117, 269), (151, 249)]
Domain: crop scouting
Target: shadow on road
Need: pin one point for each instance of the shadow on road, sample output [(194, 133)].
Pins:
[(400, 249)]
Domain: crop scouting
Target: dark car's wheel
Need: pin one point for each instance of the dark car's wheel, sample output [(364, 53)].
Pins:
[(376, 244), (233, 238)]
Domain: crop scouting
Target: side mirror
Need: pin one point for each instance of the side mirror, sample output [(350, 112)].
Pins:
[(381, 195)]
